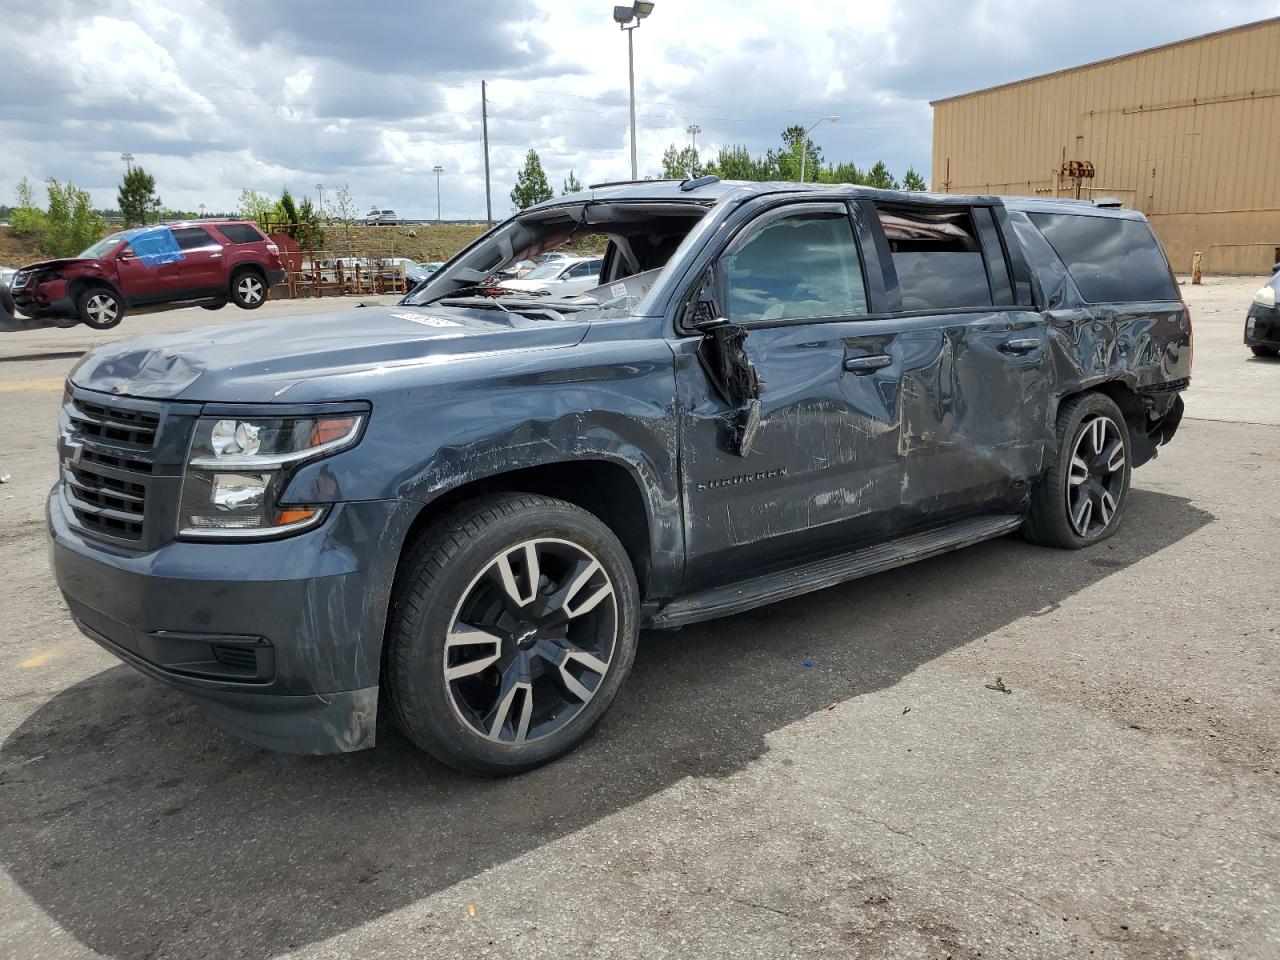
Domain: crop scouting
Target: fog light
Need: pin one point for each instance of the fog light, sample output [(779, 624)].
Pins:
[(239, 491)]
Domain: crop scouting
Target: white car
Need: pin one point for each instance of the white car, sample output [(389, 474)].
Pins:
[(6, 276), (558, 278)]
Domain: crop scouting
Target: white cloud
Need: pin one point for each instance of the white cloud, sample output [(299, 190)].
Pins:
[(216, 96)]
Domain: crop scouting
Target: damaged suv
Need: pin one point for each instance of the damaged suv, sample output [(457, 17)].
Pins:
[(465, 507)]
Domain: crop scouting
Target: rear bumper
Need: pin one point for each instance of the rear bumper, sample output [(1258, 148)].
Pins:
[(1262, 327), (279, 642), (274, 277)]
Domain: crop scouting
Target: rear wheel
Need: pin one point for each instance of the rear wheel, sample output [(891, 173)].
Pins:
[(1259, 351), (1080, 499), (513, 625), (248, 290), (100, 308)]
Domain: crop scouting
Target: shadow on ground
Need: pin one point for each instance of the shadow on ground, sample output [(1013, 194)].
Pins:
[(143, 832)]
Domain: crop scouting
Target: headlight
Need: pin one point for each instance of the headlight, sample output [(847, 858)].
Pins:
[(1266, 297), (238, 468)]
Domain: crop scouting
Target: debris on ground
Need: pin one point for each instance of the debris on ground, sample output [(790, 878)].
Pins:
[(4, 478), (471, 909), (808, 664), (998, 686)]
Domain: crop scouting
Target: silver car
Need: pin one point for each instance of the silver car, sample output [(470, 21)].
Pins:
[(558, 278)]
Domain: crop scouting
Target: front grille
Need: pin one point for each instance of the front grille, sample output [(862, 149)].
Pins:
[(106, 477)]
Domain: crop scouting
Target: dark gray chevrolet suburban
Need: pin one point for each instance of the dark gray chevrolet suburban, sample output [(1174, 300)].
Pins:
[(466, 506)]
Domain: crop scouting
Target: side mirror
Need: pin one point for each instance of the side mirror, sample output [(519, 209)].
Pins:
[(707, 311)]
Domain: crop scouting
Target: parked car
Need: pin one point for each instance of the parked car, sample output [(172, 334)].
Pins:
[(377, 217), (469, 506), (1262, 325), (6, 276), (558, 277), (212, 262)]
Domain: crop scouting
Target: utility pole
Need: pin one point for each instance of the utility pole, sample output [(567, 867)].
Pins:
[(320, 189), (437, 170), (484, 120)]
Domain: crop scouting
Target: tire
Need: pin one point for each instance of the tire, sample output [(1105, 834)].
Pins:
[(1259, 351), (100, 308), (493, 675), (1080, 500), (248, 290)]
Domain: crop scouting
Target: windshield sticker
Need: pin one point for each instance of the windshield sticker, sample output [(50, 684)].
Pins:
[(157, 247), (618, 290), (426, 320)]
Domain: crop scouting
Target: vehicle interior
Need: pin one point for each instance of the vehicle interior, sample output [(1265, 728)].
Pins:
[(639, 239)]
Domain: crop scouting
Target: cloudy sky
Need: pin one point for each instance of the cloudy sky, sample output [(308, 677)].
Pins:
[(214, 97)]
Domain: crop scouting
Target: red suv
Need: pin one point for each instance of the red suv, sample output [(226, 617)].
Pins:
[(207, 263)]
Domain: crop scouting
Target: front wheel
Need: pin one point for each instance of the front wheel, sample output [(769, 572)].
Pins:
[(248, 290), (513, 625), (100, 308), (1080, 499)]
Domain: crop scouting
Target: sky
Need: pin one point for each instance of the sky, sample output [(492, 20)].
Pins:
[(216, 97)]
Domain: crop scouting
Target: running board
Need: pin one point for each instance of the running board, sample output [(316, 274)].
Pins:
[(819, 574)]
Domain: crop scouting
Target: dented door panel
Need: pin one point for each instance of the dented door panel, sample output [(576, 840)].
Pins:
[(822, 471)]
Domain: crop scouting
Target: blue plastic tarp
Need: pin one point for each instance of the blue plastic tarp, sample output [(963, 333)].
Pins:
[(156, 247)]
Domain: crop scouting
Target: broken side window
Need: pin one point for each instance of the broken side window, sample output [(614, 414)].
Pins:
[(937, 257)]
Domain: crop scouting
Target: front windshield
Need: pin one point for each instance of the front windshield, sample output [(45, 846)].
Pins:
[(545, 271), (101, 248)]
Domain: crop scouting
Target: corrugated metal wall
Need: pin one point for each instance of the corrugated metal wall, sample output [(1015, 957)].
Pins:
[(1188, 133)]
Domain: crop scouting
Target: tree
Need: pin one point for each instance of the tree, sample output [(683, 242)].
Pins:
[(342, 210), (736, 163), (27, 217), (71, 224), (286, 214), (786, 162), (879, 176), (531, 183), (137, 198), (681, 163), (571, 185), (256, 207), (309, 216), (913, 181)]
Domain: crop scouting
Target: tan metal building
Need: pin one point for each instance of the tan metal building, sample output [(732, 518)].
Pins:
[(1188, 133)]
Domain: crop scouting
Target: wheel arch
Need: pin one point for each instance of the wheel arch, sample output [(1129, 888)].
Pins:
[(77, 286), (607, 489), (1143, 433)]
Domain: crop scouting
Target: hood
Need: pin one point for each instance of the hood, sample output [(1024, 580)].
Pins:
[(54, 264), (334, 356)]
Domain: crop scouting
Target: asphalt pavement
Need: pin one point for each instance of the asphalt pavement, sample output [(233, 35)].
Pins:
[(1007, 751)]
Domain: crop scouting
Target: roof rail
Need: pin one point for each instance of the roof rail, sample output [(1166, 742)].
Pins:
[(624, 183)]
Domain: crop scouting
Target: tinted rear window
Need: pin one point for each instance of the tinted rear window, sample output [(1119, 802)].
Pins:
[(193, 238), (937, 258), (240, 232), (1111, 260)]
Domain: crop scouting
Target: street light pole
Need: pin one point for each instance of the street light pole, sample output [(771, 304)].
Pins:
[(320, 189), (804, 143), (624, 17), (128, 161), (437, 170)]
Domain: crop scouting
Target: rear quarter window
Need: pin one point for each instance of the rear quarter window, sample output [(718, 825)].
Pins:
[(1111, 260), (937, 257), (240, 233)]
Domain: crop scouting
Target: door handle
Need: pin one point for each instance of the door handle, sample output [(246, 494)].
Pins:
[(867, 364), (1019, 346)]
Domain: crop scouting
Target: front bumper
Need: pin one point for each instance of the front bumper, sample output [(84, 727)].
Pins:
[(279, 641), (1265, 328)]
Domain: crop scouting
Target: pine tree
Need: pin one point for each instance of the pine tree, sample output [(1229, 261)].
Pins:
[(881, 177), (680, 163), (137, 198), (913, 181), (571, 185), (531, 183)]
